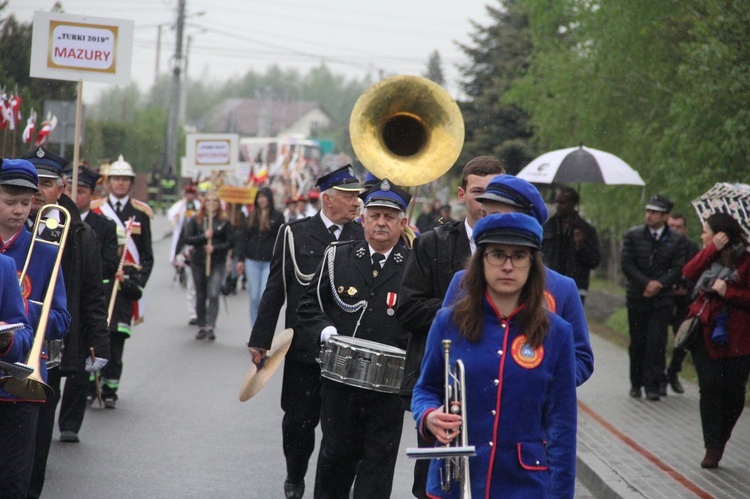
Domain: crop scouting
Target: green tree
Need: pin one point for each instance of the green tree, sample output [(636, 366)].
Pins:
[(435, 69), (499, 56)]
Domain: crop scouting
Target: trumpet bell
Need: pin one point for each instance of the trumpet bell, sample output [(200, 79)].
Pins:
[(407, 129)]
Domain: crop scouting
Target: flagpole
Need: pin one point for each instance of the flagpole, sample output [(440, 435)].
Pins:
[(77, 140)]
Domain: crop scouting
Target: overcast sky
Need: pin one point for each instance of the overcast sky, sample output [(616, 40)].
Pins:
[(230, 37)]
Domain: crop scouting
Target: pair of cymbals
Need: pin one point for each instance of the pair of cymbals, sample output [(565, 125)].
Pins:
[(256, 378)]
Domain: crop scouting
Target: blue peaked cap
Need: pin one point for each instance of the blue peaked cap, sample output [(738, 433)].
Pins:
[(86, 176), (508, 228), (342, 179), (515, 191), (19, 172), (385, 193)]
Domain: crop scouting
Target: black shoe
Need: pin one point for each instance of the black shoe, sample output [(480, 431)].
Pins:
[(210, 335), (663, 388), (202, 333), (109, 403), (653, 395), (193, 322), (635, 392), (294, 490), (69, 436), (674, 383)]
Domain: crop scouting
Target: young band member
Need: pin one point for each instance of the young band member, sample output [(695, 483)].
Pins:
[(18, 183), (354, 293), (297, 253), (120, 207), (86, 303), (520, 404)]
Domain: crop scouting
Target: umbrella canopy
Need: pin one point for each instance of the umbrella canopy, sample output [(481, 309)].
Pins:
[(725, 197), (580, 164)]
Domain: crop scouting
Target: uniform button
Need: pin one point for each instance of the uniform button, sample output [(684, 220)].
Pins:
[(537, 463), (497, 382), (490, 444), (502, 326), (494, 412), (499, 352), (372, 294)]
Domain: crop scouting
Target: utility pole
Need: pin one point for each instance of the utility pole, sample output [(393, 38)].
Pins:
[(170, 155), (158, 55), (185, 77)]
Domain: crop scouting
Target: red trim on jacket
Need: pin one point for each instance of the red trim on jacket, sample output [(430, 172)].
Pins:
[(504, 323)]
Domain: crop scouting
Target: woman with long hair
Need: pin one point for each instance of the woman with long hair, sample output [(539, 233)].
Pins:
[(721, 353), (255, 246), (210, 233), (520, 371)]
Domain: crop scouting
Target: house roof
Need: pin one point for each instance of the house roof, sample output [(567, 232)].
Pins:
[(246, 116)]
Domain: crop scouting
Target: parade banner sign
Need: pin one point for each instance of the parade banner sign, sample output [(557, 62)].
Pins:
[(81, 48), (212, 151), (237, 195)]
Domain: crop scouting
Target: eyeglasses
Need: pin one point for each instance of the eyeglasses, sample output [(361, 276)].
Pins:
[(498, 259)]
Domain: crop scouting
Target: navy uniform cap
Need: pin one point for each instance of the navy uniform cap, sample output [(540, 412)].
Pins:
[(47, 163), (385, 194), (508, 228), (86, 176), (370, 180), (342, 179), (659, 203), (515, 191), (20, 173)]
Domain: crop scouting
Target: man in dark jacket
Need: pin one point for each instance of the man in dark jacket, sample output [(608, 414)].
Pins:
[(682, 292), (298, 251), (652, 260), (435, 257), (571, 245), (353, 293), (87, 306)]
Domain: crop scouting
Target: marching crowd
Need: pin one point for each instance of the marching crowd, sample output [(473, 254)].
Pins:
[(504, 286)]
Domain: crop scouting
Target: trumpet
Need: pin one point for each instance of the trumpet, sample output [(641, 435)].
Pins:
[(33, 387), (455, 468)]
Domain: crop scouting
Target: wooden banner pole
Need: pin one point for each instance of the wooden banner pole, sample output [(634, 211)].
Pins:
[(77, 140)]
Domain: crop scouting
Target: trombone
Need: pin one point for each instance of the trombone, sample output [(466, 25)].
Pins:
[(455, 456), (33, 387)]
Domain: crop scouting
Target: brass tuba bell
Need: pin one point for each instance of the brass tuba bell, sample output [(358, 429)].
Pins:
[(407, 129)]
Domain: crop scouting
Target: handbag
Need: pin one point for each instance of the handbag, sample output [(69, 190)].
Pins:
[(688, 332)]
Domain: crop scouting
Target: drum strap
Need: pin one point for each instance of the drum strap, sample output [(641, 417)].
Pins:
[(330, 258)]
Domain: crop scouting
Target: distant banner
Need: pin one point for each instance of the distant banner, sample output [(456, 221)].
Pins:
[(237, 195), (212, 151), (70, 47)]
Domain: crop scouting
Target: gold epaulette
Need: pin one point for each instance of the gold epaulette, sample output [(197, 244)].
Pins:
[(141, 206), (98, 203)]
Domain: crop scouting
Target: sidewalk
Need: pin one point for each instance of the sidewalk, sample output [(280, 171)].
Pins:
[(638, 448)]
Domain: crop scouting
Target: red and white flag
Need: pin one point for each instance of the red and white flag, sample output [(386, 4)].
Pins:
[(28, 132), (47, 126), (14, 111)]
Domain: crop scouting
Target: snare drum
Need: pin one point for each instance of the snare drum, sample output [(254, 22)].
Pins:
[(363, 363)]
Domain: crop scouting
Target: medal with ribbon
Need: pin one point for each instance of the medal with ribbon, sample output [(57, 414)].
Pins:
[(390, 300)]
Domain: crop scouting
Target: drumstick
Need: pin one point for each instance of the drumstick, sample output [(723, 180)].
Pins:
[(96, 380)]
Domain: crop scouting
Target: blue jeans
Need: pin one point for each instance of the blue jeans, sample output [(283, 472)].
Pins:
[(208, 289), (256, 275)]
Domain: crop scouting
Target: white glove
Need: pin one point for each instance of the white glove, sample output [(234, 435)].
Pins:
[(96, 365), (326, 334)]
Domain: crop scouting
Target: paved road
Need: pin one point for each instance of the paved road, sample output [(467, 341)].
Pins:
[(179, 429)]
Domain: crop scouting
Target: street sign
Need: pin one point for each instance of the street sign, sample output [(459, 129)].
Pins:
[(81, 48), (208, 152), (64, 132)]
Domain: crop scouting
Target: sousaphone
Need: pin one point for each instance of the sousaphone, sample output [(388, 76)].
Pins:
[(407, 129)]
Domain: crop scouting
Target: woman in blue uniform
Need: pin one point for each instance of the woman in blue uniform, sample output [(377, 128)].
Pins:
[(520, 371)]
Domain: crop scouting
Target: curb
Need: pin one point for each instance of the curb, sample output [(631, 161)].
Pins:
[(601, 480)]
